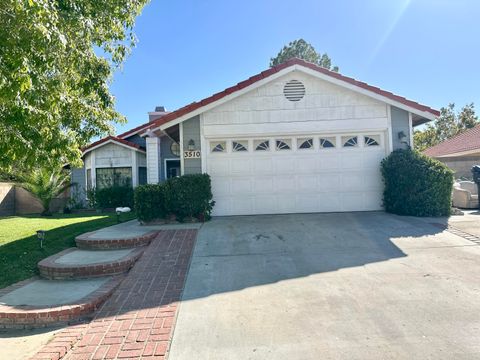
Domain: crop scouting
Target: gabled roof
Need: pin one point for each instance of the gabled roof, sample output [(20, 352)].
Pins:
[(415, 107), (462, 144), (112, 139), (424, 112)]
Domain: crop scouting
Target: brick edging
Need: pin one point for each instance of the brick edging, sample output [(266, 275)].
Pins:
[(23, 316), (88, 241), (49, 269), (467, 236)]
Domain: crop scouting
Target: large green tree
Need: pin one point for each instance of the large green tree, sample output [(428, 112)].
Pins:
[(57, 58), (303, 50), (447, 125)]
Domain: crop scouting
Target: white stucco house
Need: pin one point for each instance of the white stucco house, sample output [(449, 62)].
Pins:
[(295, 138)]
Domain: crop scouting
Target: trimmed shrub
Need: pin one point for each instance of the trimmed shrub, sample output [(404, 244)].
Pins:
[(113, 197), (150, 202), (188, 196), (416, 184)]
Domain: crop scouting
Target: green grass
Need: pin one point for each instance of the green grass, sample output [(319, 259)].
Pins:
[(20, 250)]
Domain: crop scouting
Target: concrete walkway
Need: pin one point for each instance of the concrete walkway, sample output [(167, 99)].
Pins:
[(329, 286)]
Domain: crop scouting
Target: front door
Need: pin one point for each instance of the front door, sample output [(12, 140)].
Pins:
[(172, 168)]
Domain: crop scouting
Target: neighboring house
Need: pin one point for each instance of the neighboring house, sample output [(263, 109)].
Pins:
[(459, 153), (294, 138)]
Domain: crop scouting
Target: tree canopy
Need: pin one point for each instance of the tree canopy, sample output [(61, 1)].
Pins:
[(446, 126), (57, 58), (303, 50)]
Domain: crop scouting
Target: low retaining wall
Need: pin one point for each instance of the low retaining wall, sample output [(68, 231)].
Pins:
[(7, 199), (15, 200)]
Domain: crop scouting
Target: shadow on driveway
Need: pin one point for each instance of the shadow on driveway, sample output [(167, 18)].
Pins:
[(234, 253)]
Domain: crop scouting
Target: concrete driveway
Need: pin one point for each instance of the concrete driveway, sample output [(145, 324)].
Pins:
[(329, 286)]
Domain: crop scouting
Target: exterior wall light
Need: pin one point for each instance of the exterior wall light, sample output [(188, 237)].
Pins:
[(191, 145), (402, 137)]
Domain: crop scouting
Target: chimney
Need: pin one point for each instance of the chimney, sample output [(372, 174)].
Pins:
[(158, 113)]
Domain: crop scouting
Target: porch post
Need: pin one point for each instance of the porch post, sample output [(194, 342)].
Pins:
[(134, 169), (93, 166), (153, 159)]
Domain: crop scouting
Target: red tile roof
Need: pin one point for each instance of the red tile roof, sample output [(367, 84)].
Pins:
[(265, 74), (132, 132), (466, 141), (115, 139)]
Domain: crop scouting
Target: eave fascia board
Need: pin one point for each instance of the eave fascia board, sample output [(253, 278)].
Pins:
[(112, 142), (458, 154)]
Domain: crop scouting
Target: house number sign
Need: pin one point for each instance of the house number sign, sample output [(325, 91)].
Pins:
[(191, 154)]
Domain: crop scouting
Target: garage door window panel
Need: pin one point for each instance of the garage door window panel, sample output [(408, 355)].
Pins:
[(350, 141), (305, 143), (218, 146), (283, 144), (327, 142), (240, 146), (371, 140), (261, 145)]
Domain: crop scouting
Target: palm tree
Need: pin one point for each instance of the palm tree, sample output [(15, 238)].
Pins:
[(45, 185)]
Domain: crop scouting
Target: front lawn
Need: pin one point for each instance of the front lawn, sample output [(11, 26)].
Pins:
[(20, 250)]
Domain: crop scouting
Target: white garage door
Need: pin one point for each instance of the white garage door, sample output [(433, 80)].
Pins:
[(288, 174)]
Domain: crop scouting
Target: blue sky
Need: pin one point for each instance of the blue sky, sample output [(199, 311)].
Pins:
[(425, 50)]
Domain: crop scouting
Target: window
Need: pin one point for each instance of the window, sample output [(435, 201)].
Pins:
[(349, 141), (239, 146), (372, 140), (326, 143), (219, 146), (89, 179), (261, 145), (142, 175), (305, 143), (107, 177), (284, 144)]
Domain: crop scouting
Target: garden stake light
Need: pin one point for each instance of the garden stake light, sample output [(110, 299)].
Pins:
[(41, 237)]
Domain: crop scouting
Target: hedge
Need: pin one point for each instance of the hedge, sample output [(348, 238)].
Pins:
[(416, 184), (187, 196), (150, 202), (110, 197)]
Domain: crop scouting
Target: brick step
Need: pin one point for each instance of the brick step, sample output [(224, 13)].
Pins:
[(36, 302), (75, 263), (93, 241)]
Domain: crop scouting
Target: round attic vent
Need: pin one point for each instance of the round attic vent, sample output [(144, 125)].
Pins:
[(294, 90)]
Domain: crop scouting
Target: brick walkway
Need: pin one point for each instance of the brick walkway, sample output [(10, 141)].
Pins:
[(137, 321)]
